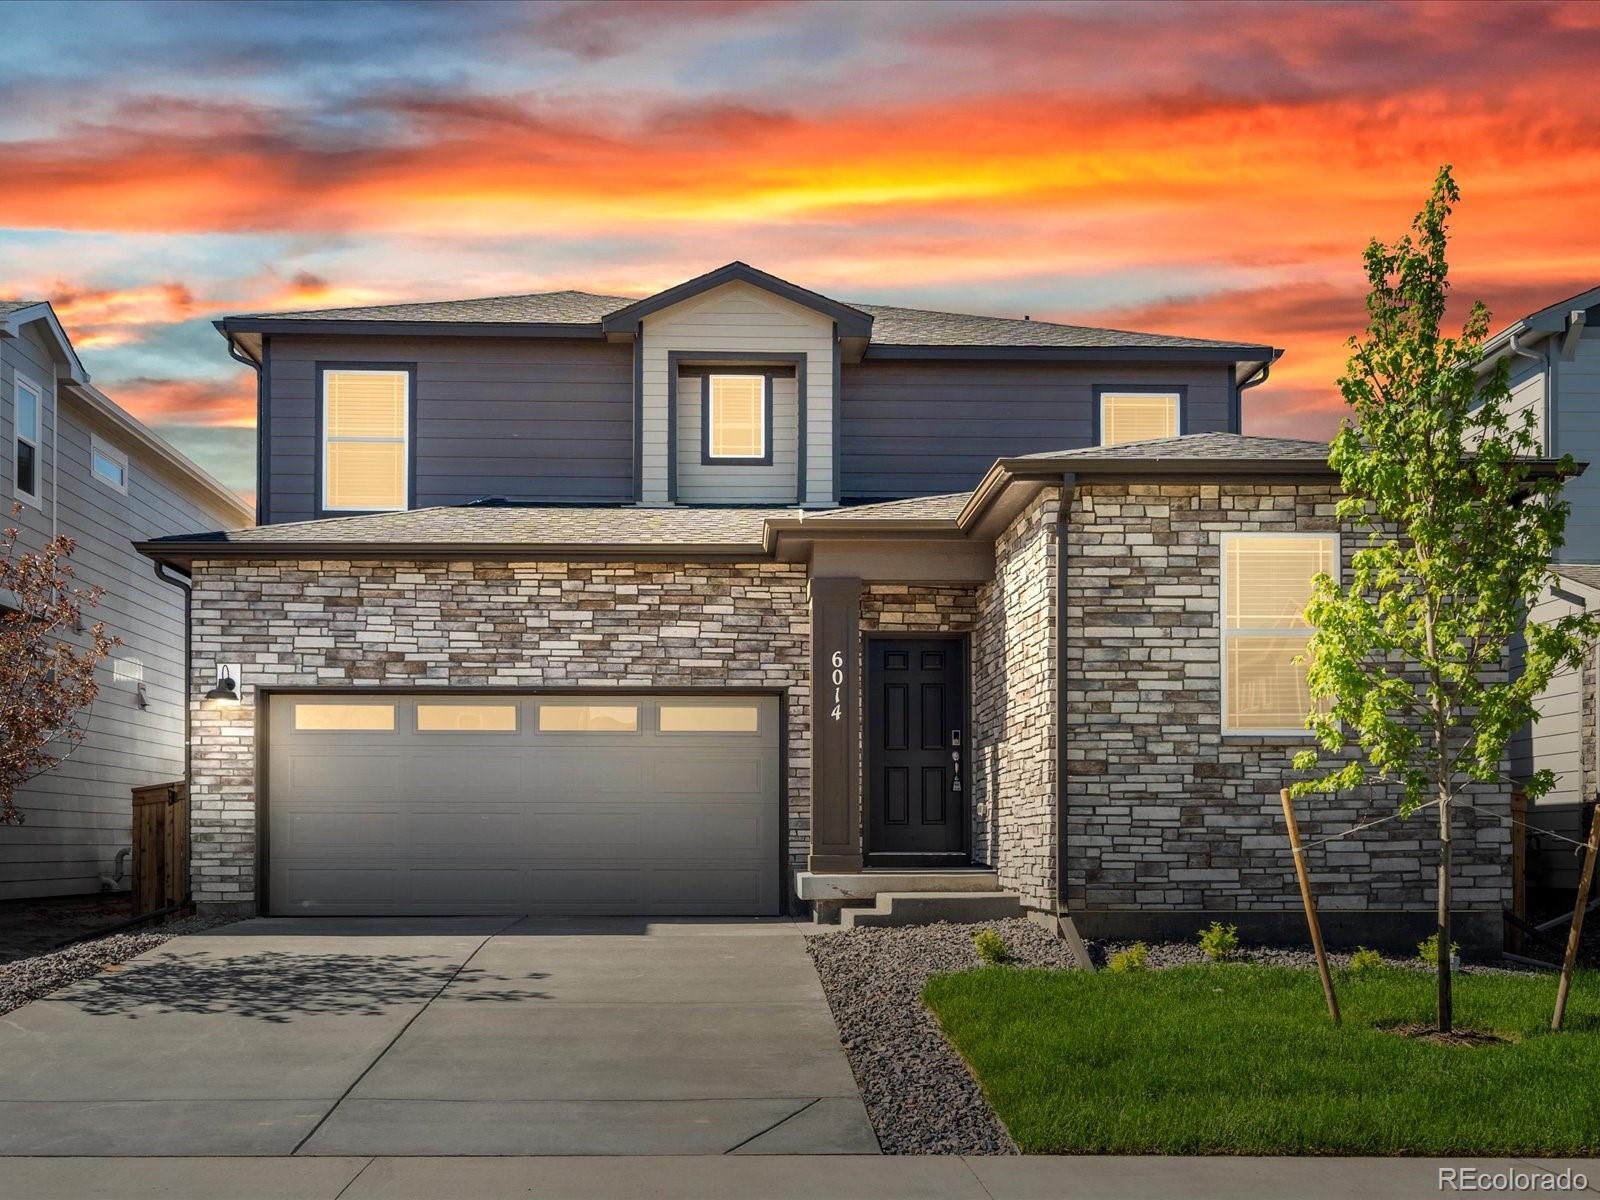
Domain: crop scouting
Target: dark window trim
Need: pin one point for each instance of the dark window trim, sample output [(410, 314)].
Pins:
[(707, 459), (319, 449), (1181, 390)]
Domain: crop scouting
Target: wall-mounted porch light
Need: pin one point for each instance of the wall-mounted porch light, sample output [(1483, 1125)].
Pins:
[(227, 687)]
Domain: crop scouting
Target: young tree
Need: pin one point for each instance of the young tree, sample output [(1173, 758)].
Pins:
[(1411, 656), (46, 680)]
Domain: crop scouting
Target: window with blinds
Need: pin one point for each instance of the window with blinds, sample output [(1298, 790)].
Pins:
[(364, 439), (736, 418), (1137, 416), (1266, 583)]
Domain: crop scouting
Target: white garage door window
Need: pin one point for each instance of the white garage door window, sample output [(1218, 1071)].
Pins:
[(454, 804)]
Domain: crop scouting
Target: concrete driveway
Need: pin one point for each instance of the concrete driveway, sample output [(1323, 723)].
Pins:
[(346, 1036)]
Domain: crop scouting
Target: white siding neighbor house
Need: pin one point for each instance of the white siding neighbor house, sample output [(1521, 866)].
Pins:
[(1555, 374), (81, 466)]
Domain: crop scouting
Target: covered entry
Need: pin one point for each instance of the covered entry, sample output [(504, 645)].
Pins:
[(460, 803)]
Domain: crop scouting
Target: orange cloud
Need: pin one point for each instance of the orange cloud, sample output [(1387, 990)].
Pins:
[(1313, 322), (102, 317), (214, 402)]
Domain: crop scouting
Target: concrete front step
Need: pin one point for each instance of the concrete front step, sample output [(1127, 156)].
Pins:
[(924, 908)]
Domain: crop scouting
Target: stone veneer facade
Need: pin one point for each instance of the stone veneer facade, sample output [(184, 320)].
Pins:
[(377, 624), (1165, 817), (1163, 811), (1014, 706)]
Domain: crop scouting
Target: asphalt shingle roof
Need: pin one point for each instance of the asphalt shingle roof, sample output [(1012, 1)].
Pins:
[(925, 327), (511, 525), (7, 307), (1588, 574), (891, 326), (561, 308), (1198, 447), (930, 508)]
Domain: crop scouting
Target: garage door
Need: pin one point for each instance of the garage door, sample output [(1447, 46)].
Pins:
[(449, 804)]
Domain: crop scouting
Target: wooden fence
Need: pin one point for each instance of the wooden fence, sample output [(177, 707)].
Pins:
[(160, 847)]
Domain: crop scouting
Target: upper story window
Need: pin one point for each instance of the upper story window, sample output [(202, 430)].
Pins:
[(365, 439), (1137, 416), (108, 464), (29, 418), (737, 419), (1266, 584)]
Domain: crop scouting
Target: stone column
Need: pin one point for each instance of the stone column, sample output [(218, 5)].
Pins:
[(836, 725)]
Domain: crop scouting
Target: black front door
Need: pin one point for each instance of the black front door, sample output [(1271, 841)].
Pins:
[(916, 752)]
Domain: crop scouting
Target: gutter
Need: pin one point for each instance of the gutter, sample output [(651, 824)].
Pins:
[(179, 553)]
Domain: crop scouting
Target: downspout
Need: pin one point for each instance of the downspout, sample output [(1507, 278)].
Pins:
[(1062, 923), (187, 584), (1547, 445), (261, 447), (1257, 377)]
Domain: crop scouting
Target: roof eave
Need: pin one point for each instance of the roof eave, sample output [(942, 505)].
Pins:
[(180, 553), (1221, 354), (11, 326)]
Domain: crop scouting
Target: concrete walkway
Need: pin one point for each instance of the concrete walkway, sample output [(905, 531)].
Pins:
[(367, 1037), (771, 1178)]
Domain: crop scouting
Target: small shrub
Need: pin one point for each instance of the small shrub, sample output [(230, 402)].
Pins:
[(1364, 960), (1135, 958), (1219, 942), (1428, 951), (991, 947)]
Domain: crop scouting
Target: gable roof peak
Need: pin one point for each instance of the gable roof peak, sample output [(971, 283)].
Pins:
[(852, 322)]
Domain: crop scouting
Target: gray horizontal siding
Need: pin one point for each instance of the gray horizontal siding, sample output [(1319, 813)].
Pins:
[(530, 419), (918, 428), (79, 815), (1577, 432)]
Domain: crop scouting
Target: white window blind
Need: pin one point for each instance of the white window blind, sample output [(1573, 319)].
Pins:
[(738, 416), (1266, 583), (1137, 417), (364, 430)]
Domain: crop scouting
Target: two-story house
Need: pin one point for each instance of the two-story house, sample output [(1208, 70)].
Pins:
[(739, 598), (1555, 375), (79, 465)]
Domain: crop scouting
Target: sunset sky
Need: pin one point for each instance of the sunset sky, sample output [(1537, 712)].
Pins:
[(1211, 170)]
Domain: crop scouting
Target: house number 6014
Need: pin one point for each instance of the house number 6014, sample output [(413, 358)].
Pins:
[(837, 711)]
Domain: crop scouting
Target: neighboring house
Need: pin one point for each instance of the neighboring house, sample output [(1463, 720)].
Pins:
[(1555, 373), (738, 598), (81, 466)]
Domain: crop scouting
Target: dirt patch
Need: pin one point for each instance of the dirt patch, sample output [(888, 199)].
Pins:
[(1456, 1037), (30, 927)]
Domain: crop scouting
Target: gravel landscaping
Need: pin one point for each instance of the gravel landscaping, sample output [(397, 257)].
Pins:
[(28, 979), (918, 1091)]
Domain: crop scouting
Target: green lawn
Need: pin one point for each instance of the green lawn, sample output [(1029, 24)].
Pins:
[(1239, 1059)]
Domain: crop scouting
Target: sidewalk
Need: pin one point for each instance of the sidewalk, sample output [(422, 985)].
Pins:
[(755, 1178)]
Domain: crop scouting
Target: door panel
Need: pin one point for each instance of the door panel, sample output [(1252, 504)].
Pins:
[(440, 821), (916, 769)]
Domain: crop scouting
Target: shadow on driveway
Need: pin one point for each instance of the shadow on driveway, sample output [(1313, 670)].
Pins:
[(277, 987)]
